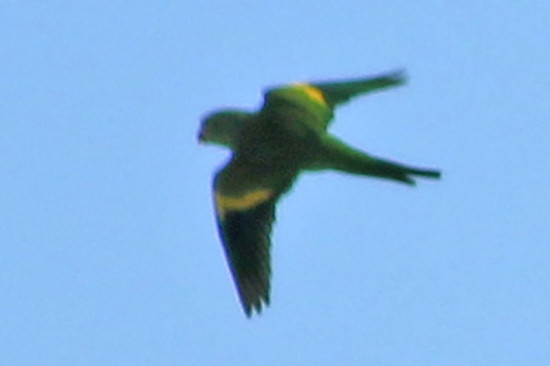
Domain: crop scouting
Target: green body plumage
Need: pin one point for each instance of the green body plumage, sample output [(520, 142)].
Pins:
[(270, 148)]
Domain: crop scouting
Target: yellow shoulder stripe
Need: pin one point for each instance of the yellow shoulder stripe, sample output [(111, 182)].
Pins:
[(241, 203), (312, 92)]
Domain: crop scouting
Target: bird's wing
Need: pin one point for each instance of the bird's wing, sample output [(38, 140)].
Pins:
[(245, 196), (336, 93), (321, 98)]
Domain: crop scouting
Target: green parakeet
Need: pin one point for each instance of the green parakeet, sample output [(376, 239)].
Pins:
[(270, 147)]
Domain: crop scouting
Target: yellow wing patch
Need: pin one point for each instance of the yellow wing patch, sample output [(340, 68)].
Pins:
[(241, 203), (312, 92)]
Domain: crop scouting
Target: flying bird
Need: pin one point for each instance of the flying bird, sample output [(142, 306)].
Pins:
[(270, 148)]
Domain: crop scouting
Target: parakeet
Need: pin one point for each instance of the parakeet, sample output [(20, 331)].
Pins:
[(270, 148)]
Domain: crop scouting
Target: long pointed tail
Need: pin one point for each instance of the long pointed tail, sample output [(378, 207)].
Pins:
[(339, 156)]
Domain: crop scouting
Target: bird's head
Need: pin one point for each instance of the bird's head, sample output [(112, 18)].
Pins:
[(223, 127)]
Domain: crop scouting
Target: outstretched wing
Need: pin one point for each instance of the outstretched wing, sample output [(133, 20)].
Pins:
[(245, 195), (340, 92), (316, 101)]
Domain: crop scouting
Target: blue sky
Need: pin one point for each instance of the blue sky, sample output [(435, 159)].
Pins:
[(109, 252)]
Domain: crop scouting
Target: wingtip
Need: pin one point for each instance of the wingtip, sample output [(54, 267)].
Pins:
[(255, 307), (399, 76), (249, 310)]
